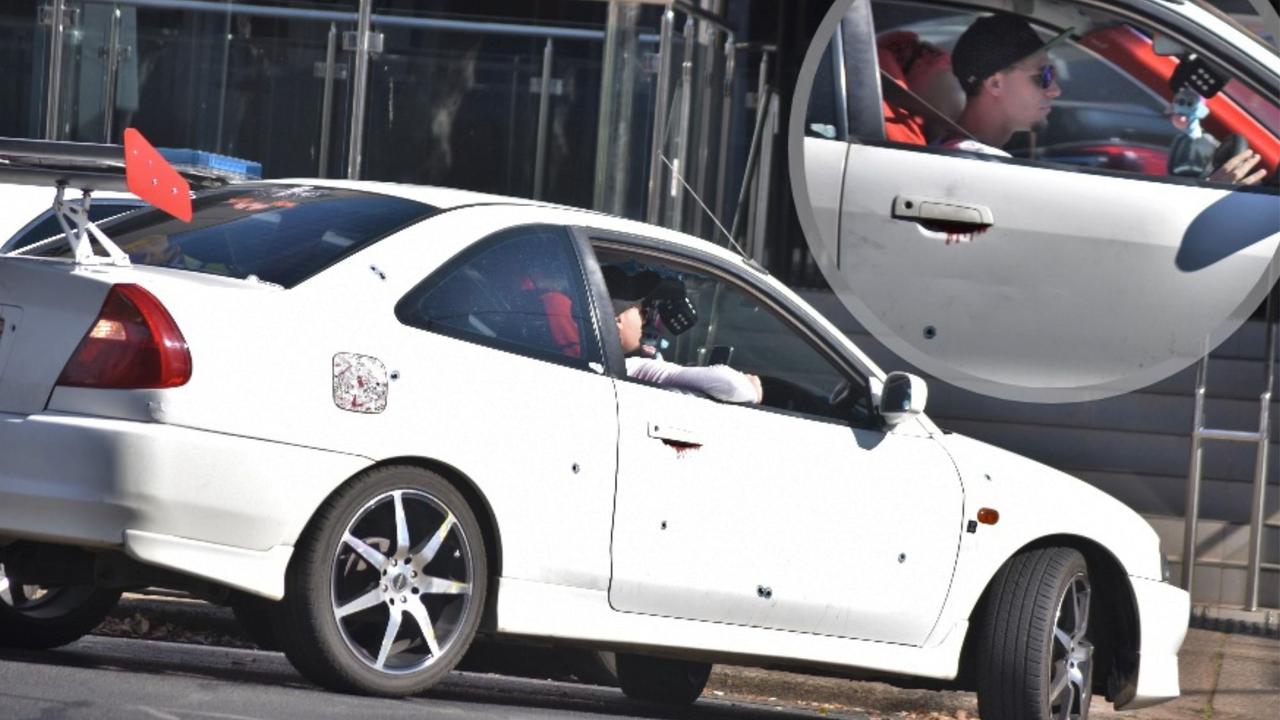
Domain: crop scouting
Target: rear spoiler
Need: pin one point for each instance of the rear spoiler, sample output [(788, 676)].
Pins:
[(135, 167)]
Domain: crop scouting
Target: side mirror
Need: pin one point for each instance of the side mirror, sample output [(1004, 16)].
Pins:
[(902, 398)]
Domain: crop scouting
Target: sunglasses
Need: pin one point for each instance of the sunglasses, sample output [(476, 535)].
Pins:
[(1044, 77)]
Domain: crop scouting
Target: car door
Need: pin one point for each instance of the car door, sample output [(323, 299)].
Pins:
[(798, 514), (1076, 268), (507, 383)]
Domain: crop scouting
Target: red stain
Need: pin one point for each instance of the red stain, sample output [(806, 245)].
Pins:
[(680, 447)]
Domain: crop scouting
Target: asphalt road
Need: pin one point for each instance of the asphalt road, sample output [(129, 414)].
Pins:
[(100, 678)]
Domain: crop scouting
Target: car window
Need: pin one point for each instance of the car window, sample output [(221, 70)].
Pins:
[(278, 233), (46, 224), (1116, 110), (520, 290), (698, 317)]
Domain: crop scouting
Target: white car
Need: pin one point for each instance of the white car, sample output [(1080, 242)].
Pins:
[(399, 416)]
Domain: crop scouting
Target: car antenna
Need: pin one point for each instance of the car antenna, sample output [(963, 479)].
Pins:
[(704, 207)]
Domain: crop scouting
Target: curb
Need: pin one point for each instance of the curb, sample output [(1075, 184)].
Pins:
[(1262, 622)]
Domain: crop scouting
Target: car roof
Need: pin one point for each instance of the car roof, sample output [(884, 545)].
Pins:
[(439, 197), (452, 198)]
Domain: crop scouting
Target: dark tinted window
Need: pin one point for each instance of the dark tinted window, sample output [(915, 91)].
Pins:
[(48, 226), (520, 290), (282, 234)]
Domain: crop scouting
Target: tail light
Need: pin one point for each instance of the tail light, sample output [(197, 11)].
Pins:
[(133, 344)]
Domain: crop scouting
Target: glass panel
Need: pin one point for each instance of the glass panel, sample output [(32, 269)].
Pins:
[(281, 234), (191, 77), (461, 108), (522, 291), (23, 57)]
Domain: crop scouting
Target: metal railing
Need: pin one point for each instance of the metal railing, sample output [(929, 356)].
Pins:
[(1261, 438)]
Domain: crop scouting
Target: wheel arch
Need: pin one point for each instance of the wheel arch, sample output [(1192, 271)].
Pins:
[(471, 493), (1116, 630)]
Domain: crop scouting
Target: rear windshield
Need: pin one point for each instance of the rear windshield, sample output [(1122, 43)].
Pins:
[(282, 234)]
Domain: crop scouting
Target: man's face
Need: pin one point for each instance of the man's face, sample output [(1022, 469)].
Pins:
[(1026, 102), (630, 328)]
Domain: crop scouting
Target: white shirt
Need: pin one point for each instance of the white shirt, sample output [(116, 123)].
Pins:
[(719, 381)]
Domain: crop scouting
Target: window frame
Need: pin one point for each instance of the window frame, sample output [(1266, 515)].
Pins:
[(592, 356), (787, 312)]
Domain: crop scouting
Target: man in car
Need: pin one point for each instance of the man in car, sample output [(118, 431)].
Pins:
[(1004, 68), (721, 382)]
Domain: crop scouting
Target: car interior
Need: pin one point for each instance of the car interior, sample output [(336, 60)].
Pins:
[(1118, 79)]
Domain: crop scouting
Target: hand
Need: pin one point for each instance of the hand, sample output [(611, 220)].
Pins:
[(755, 383), (1236, 170)]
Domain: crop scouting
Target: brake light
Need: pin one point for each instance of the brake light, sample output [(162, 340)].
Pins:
[(133, 344)]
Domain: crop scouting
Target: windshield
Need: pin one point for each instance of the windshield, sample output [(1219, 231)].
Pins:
[(281, 234)]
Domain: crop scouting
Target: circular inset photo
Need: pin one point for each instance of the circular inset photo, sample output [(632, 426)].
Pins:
[(1050, 207)]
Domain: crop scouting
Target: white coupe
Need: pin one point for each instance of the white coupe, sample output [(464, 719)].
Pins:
[(394, 417)]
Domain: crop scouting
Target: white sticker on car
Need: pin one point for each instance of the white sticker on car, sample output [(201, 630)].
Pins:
[(359, 383)]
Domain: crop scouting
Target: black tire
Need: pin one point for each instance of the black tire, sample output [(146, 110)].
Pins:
[(594, 667), (1033, 657), (39, 618), (256, 617), (659, 680), (381, 649)]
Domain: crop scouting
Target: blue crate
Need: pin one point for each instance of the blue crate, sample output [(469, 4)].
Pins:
[(224, 165)]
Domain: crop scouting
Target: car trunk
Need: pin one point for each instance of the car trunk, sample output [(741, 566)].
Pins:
[(47, 307)]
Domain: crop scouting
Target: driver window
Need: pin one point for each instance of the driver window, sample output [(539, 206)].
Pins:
[(1103, 99), (697, 318)]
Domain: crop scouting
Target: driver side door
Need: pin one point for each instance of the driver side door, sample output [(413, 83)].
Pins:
[(797, 514)]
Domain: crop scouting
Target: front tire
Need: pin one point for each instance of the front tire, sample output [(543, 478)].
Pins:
[(36, 617), (386, 589), (1034, 658), (659, 680)]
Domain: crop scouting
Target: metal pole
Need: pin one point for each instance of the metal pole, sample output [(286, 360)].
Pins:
[(726, 100), (113, 59), (226, 71), (660, 109), (53, 93), (681, 161), (326, 101), (763, 96), (1260, 470), (1193, 477), (359, 90), (544, 103)]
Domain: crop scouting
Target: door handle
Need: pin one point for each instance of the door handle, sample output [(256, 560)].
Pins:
[(674, 435), (942, 212)]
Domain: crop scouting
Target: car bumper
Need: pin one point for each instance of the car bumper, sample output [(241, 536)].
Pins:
[(199, 502), (1163, 614)]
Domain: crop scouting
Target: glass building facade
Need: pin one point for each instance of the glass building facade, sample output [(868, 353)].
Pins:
[(641, 109)]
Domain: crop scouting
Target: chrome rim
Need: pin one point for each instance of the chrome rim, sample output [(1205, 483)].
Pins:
[(1072, 657), (24, 598), (402, 581)]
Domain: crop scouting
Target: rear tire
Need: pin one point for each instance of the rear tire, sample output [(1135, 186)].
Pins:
[(37, 617), (1033, 656), (385, 591), (659, 680)]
